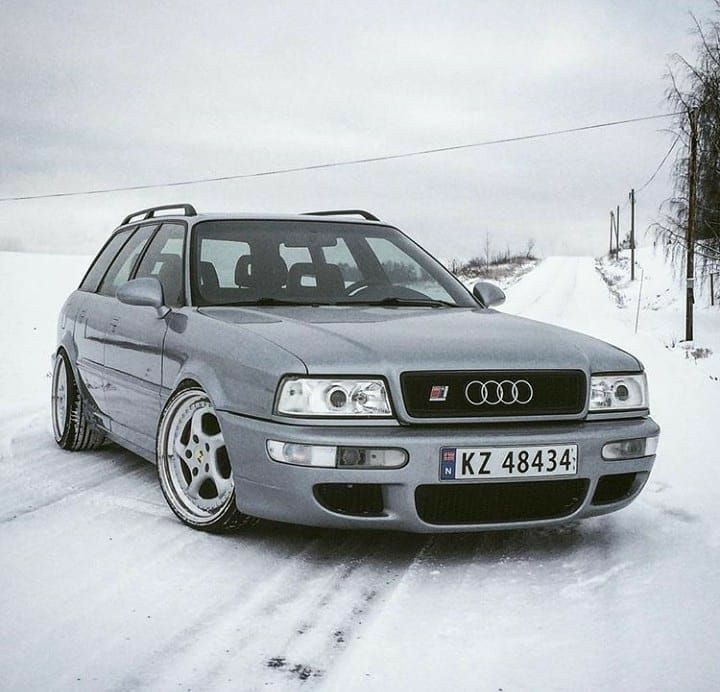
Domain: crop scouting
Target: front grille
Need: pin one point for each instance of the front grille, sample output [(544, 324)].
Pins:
[(460, 394), (490, 503)]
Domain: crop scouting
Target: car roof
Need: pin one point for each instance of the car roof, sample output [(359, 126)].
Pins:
[(254, 216)]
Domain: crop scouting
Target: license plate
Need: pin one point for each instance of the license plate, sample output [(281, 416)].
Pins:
[(476, 463)]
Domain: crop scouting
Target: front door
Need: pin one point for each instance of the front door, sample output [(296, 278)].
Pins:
[(134, 342), (133, 372)]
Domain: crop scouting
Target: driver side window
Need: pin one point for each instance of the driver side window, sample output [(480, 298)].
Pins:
[(122, 265), (164, 261)]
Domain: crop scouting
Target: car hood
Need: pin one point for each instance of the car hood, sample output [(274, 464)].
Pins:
[(374, 340)]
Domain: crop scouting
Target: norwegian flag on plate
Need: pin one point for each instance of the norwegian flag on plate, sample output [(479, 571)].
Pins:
[(438, 392)]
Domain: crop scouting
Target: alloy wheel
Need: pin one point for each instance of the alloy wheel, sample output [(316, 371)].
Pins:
[(60, 399), (193, 461)]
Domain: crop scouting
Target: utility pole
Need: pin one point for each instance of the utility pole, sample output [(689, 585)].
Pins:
[(690, 250), (632, 235), (617, 230), (612, 228)]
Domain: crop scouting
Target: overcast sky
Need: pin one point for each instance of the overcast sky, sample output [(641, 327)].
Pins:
[(101, 94)]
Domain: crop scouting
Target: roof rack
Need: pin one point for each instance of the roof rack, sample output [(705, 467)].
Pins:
[(343, 212), (188, 210)]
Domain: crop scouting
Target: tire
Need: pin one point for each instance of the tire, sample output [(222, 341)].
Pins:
[(193, 465), (72, 427)]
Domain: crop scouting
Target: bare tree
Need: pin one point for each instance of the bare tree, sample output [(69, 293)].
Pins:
[(694, 92), (530, 249)]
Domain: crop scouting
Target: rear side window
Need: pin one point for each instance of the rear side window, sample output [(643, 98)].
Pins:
[(122, 265), (102, 261), (164, 261)]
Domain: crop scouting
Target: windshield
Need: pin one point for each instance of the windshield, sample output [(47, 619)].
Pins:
[(315, 263)]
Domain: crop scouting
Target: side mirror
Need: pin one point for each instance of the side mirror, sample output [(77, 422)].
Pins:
[(147, 291), (488, 294)]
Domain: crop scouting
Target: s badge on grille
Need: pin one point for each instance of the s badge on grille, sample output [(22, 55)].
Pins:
[(439, 392)]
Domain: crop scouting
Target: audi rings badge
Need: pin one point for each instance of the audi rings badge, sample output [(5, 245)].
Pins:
[(494, 393)]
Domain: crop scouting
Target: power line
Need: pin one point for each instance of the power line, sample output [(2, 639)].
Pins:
[(652, 177), (660, 165), (351, 162)]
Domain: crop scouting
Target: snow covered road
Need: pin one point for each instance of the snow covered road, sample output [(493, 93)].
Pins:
[(101, 588)]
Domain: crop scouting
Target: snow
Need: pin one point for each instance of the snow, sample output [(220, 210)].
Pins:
[(33, 288), (101, 587), (662, 304), (503, 275)]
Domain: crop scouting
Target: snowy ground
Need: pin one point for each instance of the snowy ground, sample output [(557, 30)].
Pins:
[(504, 275), (660, 288), (101, 588)]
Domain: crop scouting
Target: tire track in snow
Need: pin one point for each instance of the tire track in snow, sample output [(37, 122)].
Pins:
[(300, 618), (36, 474), (335, 578)]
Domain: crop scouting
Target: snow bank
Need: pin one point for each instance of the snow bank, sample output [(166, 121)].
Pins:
[(662, 304)]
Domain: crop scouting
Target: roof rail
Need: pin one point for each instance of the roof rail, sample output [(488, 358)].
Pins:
[(343, 212), (188, 210)]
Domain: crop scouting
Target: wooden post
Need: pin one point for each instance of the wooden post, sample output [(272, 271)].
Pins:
[(690, 250), (637, 313)]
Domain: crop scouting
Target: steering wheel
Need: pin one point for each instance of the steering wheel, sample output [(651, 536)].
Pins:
[(357, 286)]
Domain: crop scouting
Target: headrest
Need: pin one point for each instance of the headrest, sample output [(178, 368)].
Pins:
[(170, 262), (250, 274), (328, 278), (243, 271), (208, 276)]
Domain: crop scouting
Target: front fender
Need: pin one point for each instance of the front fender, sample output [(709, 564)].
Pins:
[(238, 369)]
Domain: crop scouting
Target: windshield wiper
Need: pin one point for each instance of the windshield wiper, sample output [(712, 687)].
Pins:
[(393, 301), (268, 301)]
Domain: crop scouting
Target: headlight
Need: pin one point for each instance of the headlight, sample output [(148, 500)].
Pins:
[(306, 396), (618, 392)]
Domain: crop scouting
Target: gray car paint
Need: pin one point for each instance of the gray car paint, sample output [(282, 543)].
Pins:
[(128, 361), (388, 341)]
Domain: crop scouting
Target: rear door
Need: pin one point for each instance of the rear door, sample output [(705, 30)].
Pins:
[(134, 341), (93, 319)]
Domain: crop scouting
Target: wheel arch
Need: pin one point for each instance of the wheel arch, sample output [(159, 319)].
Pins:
[(202, 378), (67, 346)]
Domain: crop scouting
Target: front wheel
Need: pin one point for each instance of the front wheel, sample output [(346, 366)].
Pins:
[(193, 464)]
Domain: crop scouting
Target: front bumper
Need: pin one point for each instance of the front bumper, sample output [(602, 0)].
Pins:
[(282, 492)]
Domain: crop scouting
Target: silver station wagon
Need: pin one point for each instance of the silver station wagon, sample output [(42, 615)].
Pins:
[(325, 370)]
